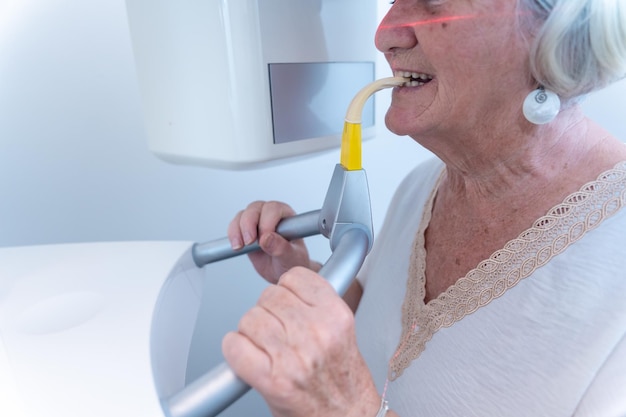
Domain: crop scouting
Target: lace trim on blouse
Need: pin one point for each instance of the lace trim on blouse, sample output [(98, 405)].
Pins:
[(550, 235)]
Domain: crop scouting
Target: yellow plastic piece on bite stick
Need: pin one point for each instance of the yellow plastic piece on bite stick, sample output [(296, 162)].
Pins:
[(351, 146), (351, 138)]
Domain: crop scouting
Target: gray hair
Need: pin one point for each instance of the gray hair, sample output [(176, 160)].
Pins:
[(579, 46)]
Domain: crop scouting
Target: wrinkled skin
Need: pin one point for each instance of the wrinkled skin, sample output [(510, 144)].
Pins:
[(297, 347)]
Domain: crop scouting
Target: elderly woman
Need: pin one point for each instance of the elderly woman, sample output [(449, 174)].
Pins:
[(497, 285)]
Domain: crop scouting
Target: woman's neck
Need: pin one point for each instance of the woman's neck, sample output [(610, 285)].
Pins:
[(502, 167)]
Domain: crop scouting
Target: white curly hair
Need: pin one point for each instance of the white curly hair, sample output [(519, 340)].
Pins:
[(578, 46)]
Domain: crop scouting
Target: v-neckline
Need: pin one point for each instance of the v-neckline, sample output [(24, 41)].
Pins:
[(549, 236)]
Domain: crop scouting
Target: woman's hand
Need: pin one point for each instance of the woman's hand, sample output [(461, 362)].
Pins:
[(277, 255), (297, 347)]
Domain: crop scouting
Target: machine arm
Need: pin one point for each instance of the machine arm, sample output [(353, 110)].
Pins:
[(215, 391), (345, 219)]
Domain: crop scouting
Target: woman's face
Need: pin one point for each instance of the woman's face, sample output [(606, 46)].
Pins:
[(469, 61)]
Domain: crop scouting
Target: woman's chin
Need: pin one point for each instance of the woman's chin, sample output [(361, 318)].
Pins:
[(397, 125)]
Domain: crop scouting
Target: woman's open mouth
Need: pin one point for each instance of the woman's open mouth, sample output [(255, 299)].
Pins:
[(416, 79)]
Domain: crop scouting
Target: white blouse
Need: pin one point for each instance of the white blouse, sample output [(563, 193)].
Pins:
[(539, 329)]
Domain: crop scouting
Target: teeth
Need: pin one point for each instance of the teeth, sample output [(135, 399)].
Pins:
[(416, 78)]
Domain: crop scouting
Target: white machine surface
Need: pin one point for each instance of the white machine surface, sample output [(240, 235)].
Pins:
[(98, 329), (238, 83)]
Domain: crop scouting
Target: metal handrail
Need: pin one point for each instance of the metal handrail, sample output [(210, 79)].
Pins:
[(213, 392), (345, 219)]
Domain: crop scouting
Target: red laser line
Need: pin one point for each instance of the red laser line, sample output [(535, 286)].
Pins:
[(430, 21), (446, 19)]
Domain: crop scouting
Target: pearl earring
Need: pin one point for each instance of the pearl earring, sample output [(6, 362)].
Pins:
[(541, 106)]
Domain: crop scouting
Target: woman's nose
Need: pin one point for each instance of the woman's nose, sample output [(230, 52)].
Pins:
[(395, 32)]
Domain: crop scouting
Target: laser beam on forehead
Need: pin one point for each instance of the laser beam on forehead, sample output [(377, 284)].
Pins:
[(431, 21)]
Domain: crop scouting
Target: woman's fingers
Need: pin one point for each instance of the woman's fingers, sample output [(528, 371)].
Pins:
[(264, 334), (234, 232), (249, 222), (289, 328), (258, 219), (259, 222), (297, 347), (271, 213), (245, 358)]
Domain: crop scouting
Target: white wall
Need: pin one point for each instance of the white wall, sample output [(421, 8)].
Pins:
[(74, 164)]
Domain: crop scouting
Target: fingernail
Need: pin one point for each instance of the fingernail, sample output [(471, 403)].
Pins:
[(269, 243), (236, 244), (247, 238)]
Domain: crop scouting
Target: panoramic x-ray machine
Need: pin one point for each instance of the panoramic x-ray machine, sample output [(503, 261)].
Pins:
[(104, 329)]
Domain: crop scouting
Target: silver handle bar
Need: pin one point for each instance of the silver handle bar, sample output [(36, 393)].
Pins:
[(300, 226)]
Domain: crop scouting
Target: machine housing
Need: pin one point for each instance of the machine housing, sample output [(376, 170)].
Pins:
[(240, 83)]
